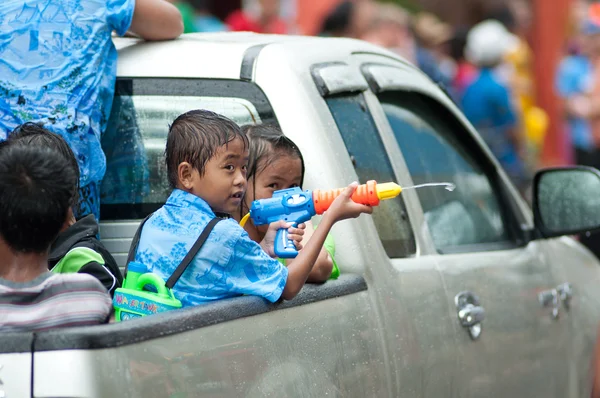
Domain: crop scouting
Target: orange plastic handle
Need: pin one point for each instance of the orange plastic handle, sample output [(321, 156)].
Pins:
[(365, 194)]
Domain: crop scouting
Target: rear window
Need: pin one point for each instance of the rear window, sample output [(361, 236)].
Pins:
[(135, 183)]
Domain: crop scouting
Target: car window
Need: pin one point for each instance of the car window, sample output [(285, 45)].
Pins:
[(371, 162), (430, 140), (135, 182)]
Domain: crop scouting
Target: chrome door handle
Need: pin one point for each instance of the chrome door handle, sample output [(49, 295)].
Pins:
[(470, 313), (549, 298), (565, 292)]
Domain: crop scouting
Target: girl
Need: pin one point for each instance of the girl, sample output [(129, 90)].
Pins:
[(276, 163)]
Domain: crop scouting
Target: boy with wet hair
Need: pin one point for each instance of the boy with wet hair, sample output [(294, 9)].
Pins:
[(207, 158), (36, 193), (76, 249)]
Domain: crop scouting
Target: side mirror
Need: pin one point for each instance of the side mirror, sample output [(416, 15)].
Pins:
[(566, 201)]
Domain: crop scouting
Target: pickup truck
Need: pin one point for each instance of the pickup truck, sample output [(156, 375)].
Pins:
[(469, 293)]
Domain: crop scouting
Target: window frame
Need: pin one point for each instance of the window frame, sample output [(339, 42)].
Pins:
[(414, 243), (183, 87), (462, 136)]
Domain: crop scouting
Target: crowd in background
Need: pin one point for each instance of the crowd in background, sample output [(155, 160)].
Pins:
[(457, 57)]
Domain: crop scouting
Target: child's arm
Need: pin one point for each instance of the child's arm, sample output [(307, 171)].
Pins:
[(321, 271), (343, 207)]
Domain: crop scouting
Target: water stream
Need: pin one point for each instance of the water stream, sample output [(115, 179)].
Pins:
[(448, 186)]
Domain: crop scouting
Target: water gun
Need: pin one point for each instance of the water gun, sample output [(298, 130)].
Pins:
[(298, 206), (135, 300)]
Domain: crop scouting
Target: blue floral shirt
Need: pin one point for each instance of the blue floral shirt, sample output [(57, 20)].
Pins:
[(58, 66), (229, 264)]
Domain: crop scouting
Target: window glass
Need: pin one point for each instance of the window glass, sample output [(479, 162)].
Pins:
[(371, 162), (135, 182), (428, 136)]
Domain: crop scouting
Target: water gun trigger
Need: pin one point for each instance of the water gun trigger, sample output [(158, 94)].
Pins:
[(284, 246)]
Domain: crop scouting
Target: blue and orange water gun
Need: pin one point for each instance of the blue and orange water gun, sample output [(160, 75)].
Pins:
[(297, 206)]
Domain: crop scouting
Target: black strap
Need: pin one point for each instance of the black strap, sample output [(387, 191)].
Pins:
[(135, 242), (190, 255)]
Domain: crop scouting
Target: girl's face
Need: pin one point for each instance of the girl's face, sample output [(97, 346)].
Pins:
[(285, 171)]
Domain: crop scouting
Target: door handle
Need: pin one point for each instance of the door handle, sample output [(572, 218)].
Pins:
[(565, 292), (470, 313), (549, 298)]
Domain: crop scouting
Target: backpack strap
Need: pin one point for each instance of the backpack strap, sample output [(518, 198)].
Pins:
[(135, 243), (190, 255)]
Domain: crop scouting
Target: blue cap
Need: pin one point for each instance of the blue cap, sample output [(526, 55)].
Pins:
[(137, 267)]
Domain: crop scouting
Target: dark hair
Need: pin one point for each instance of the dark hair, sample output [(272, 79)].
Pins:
[(194, 137), (458, 43), (339, 19), (33, 134), (267, 144), (504, 15), (35, 195)]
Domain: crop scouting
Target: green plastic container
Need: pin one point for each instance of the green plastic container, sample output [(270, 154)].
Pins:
[(134, 300)]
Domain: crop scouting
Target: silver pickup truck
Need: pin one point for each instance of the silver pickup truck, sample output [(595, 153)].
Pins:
[(466, 293)]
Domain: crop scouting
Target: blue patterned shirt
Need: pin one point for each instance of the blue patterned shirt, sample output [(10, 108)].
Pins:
[(229, 264), (58, 67)]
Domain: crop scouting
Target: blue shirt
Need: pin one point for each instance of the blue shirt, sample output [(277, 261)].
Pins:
[(575, 77), (229, 264), (487, 105), (58, 67)]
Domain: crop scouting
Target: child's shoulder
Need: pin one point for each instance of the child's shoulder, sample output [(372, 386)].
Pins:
[(76, 282)]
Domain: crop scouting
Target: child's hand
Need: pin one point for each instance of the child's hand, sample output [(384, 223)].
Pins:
[(344, 207), (295, 234)]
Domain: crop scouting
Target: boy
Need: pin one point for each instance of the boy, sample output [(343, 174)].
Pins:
[(207, 157), (59, 66), (36, 192), (76, 248)]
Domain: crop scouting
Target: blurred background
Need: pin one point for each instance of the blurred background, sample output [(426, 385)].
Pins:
[(433, 34)]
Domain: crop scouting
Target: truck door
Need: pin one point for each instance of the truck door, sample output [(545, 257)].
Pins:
[(508, 342)]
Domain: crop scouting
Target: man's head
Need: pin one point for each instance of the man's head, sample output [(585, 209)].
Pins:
[(32, 134), (36, 192), (207, 155)]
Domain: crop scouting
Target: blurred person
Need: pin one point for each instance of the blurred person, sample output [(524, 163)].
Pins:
[(576, 85), (349, 19), (59, 67), (266, 19), (187, 15), (516, 16), (465, 72), (204, 20), (434, 35), (487, 101), (391, 28)]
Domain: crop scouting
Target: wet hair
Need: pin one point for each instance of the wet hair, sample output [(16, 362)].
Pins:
[(195, 137), (33, 134), (267, 143), (36, 191)]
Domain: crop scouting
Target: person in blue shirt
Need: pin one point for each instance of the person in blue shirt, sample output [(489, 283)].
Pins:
[(487, 101), (207, 158), (58, 68), (575, 85)]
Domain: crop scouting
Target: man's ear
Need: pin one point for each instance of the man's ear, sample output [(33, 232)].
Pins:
[(185, 175)]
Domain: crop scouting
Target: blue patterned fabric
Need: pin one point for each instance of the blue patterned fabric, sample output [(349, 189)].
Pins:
[(229, 264), (58, 67)]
